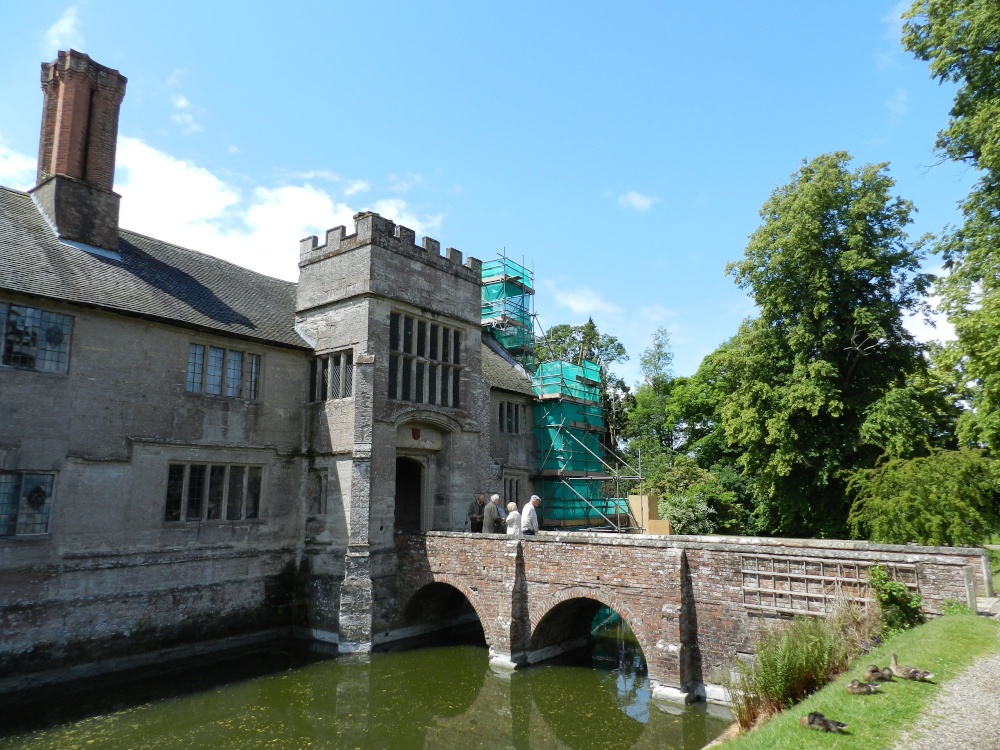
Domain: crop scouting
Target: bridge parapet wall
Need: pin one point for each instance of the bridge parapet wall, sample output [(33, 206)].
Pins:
[(693, 602), (739, 584)]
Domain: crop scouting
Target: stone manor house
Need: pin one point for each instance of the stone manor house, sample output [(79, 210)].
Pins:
[(192, 451)]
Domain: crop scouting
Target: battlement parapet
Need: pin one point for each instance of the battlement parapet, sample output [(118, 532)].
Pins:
[(373, 229)]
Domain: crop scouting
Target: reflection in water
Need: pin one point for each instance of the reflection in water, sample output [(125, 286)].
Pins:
[(434, 698)]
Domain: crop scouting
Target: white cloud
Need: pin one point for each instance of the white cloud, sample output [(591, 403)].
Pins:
[(637, 201), (317, 174), (584, 301), (16, 170), (357, 186), (183, 115), (180, 202), (64, 33)]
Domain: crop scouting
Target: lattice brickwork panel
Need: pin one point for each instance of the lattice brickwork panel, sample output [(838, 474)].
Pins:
[(809, 586)]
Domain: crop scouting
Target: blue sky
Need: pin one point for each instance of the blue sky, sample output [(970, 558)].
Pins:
[(620, 150)]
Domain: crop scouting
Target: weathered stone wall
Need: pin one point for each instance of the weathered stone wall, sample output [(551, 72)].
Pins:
[(112, 576)]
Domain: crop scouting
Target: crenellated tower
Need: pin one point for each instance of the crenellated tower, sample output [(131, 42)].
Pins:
[(397, 402)]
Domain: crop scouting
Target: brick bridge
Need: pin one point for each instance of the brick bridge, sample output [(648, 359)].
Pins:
[(692, 602)]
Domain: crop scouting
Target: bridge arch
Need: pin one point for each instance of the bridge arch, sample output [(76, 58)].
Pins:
[(435, 596), (562, 621)]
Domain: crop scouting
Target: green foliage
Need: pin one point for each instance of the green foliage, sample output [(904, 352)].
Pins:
[(952, 607), (948, 498), (961, 40), (697, 500), (791, 663), (833, 275), (945, 645), (577, 344), (915, 418), (656, 361), (899, 606)]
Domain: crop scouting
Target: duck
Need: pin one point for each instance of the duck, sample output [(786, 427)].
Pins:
[(861, 688), (874, 674), (909, 673), (820, 723)]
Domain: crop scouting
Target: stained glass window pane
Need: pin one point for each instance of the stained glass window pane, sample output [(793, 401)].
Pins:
[(36, 502)]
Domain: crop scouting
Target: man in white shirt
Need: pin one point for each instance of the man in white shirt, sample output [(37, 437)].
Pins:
[(529, 518)]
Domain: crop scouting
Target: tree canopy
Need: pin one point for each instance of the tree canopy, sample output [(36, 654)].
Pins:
[(961, 41), (832, 274)]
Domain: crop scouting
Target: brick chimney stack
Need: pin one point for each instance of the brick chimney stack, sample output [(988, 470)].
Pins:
[(76, 153)]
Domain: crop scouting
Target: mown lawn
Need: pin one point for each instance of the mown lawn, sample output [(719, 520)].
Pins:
[(944, 646)]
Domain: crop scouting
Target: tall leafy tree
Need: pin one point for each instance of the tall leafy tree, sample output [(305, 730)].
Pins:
[(960, 39), (833, 275), (647, 424)]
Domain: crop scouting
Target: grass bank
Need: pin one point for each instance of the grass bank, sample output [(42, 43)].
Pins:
[(944, 646)]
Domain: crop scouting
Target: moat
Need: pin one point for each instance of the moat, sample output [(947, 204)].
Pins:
[(432, 697)]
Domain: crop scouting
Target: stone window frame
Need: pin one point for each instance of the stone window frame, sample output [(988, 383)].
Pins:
[(202, 492), (512, 489), (26, 502), (331, 376), (425, 361), (33, 338), (210, 371), (512, 418)]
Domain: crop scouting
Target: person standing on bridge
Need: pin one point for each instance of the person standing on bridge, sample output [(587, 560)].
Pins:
[(513, 520), (529, 518), (491, 516), (476, 513)]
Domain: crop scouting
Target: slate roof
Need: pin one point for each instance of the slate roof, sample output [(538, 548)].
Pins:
[(500, 372), (152, 279)]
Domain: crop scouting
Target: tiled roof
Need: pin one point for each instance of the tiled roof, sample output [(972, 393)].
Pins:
[(152, 278), (501, 373)]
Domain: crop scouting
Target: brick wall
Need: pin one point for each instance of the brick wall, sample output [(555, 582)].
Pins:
[(692, 602)]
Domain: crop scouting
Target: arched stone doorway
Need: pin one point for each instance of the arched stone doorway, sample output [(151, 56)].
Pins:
[(409, 494)]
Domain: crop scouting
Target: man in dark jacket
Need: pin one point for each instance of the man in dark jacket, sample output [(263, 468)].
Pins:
[(476, 513)]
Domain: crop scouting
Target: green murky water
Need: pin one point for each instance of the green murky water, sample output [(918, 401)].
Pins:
[(445, 697)]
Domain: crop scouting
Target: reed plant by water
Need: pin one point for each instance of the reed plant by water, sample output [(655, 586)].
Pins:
[(791, 663)]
